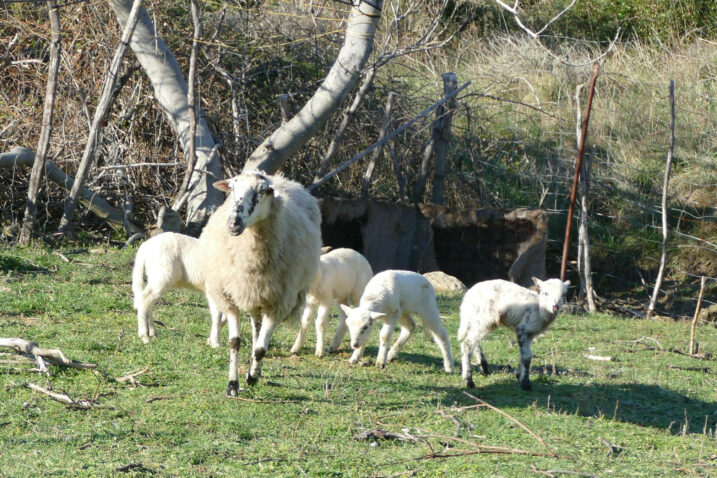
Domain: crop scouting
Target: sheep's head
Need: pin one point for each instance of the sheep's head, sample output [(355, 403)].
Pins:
[(250, 195), (551, 293), (360, 323)]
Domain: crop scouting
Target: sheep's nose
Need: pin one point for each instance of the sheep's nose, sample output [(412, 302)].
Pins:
[(555, 308), (355, 345)]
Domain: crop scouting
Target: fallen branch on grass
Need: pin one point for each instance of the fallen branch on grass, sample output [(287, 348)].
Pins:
[(379, 434), (66, 399), (54, 356), (483, 403), (131, 378)]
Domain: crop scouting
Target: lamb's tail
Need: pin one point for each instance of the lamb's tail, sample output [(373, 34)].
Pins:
[(138, 283), (462, 330)]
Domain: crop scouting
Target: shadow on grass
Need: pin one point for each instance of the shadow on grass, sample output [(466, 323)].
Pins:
[(645, 405)]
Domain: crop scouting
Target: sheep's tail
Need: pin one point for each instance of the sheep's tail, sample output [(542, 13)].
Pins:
[(138, 283), (462, 331)]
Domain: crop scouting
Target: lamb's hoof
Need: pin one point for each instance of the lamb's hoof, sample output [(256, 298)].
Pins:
[(212, 344), (232, 388), (319, 354), (144, 339), (469, 383), (250, 380), (525, 385), (259, 353), (380, 365)]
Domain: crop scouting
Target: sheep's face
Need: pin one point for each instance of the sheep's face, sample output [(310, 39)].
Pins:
[(551, 293), (250, 195), (360, 322)]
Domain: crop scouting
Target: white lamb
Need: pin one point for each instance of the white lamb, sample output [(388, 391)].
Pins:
[(165, 261), (498, 302), (391, 297), (261, 250), (342, 275)]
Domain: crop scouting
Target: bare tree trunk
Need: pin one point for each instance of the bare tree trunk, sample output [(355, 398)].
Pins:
[(182, 196), (103, 107), (377, 152), (98, 205), (171, 91), (578, 167), (438, 144), (345, 120), (288, 138), (665, 188), (584, 266), (44, 141)]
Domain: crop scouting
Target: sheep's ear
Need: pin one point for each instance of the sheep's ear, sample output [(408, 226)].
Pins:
[(376, 315), (269, 191), (566, 284), (347, 310), (537, 281), (222, 186)]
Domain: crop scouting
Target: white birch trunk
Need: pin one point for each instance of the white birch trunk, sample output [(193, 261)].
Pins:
[(170, 90)]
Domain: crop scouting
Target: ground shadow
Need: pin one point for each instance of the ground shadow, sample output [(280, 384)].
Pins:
[(647, 405)]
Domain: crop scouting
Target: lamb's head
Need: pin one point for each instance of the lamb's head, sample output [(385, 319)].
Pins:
[(551, 293), (360, 323), (250, 195)]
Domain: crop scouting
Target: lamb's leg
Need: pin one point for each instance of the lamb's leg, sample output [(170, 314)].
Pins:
[(466, 365), (384, 339), (213, 340), (523, 372), (301, 337), (440, 337), (407, 327), (145, 323), (268, 324), (341, 329), (479, 358), (233, 326), (358, 353), (322, 318)]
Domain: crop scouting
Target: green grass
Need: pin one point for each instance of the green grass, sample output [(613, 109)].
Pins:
[(658, 406)]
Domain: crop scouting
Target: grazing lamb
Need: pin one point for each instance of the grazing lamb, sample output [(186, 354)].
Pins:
[(342, 275), (391, 297), (261, 250), (168, 260), (498, 302)]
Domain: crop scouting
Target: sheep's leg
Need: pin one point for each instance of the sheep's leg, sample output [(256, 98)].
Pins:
[(234, 342), (407, 327), (145, 323), (466, 365), (384, 339), (301, 337), (358, 353), (524, 341), (217, 323), (341, 329), (268, 324), (322, 318), (255, 319)]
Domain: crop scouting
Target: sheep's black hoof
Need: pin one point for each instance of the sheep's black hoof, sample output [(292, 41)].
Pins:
[(525, 385), (251, 380), (484, 368), (469, 383), (232, 388), (259, 353)]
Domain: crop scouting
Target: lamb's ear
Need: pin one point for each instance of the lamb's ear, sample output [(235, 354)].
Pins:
[(537, 282), (269, 191), (223, 185), (566, 284), (347, 310), (376, 315)]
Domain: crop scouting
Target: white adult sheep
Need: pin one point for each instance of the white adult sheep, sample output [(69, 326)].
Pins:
[(261, 250), (165, 261), (392, 296), (343, 274), (498, 302)]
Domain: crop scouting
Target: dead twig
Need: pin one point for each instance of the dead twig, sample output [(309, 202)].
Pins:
[(132, 377), (692, 349), (55, 356), (66, 399), (379, 434), (483, 403)]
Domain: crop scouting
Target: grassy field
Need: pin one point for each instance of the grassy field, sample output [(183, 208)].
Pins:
[(648, 412)]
